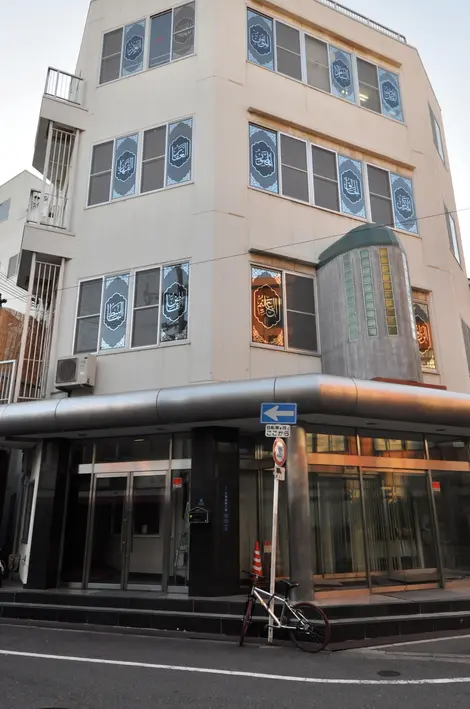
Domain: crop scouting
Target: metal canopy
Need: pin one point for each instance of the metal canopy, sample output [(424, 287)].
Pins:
[(229, 401)]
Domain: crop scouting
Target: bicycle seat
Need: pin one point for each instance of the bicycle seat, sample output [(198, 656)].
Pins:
[(289, 583)]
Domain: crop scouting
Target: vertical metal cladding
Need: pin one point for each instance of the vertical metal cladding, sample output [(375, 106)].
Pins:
[(366, 324)]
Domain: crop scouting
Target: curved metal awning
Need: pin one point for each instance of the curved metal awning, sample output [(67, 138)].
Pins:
[(225, 401)]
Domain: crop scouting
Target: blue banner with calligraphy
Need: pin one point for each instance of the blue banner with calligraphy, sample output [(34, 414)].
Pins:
[(342, 78), (351, 186), (133, 49), (179, 152), (390, 95), (115, 311), (175, 303), (125, 166), (263, 159), (403, 204), (260, 40)]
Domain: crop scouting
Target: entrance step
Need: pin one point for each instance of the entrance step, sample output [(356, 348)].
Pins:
[(352, 625)]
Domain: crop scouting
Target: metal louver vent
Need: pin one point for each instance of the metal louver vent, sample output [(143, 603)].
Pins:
[(67, 370)]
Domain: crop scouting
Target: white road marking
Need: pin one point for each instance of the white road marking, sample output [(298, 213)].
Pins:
[(235, 673), (414, 642)]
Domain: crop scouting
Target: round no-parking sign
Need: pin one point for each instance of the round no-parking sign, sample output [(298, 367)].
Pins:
[(279, 452)]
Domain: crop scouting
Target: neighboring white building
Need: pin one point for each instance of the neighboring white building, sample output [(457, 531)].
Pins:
[(204, 243)]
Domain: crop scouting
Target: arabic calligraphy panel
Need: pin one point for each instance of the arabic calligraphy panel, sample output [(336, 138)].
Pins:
[(179, 152), (114, 312), (125, 166), (403, 204), (260, 40), (175, 303), (351, 186), (390, 94), (267, 307), (263, 159), (342, 79), (133, 50)]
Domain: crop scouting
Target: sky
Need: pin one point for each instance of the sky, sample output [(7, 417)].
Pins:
[(51, 31)]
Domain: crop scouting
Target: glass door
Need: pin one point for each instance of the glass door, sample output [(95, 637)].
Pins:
[(146, 534), (127, 531), (399, 529), (107, 531)]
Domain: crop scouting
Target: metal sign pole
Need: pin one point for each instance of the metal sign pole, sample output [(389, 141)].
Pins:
[(272, 586)]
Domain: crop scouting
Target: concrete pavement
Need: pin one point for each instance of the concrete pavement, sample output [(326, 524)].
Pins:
[(61, 669)]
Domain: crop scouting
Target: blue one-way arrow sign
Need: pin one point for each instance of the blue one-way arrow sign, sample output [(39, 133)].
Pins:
[(279, 413)]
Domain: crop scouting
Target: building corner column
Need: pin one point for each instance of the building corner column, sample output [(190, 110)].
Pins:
[(298, 505)]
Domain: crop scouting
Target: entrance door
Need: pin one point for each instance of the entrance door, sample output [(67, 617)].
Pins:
[(399, 530), (126, 530)]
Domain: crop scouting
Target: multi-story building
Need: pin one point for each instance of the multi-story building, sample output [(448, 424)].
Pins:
[(263, 214)]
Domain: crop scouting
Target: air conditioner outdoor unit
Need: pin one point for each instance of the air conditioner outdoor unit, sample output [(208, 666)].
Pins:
[(75, 372)]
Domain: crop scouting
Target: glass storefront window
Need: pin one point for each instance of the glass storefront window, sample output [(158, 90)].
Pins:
[(126, 449), (399, 528), (182, 443), (447, 448), (380, 444), (331, 440), (451, 493), (338, 550), (73, 557)]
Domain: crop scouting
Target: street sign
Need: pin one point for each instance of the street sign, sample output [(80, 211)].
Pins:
[(277, 430), (279, 452), (279, 473), (279, 413)]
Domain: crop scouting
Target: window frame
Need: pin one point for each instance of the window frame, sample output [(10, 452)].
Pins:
[(357, 58), (140, 148), (450, 221), (303, 64), (135, 273), (284, 272), (321, 177), (437, 136), (424, 299), (130, 317), (280, 167), (147, 19)]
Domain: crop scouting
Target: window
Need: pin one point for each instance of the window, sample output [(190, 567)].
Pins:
[(325, 178), (153, 159), (424, 333), (263, 159), (369, 95), (283, 309), (294, 168), (158, 299), (288, 59), (88, 316), (5, 210), (380, 197), (389, 298), (437, 135), (117, 170), (100, 177), (171, 38), (12, 266), (111, 56), (318, 68), (466, 339), (350, 296), (172, 35), (368, 293), (322, 65), (452, 231)]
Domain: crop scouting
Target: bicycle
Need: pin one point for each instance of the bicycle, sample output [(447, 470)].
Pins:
[(307, 624)]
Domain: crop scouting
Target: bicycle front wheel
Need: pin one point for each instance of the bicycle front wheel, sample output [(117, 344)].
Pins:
[(312, 629), (246, 620)]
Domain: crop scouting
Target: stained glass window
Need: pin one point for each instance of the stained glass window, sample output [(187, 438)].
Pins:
[(267, 307), (424, 335), (368, 293), (350, 293), (389, 299)]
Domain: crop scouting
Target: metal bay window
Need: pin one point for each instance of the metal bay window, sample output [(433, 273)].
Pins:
[(309, 173), (283, 309), (147, 43), (143, 308), (287, 50), (141, 162)]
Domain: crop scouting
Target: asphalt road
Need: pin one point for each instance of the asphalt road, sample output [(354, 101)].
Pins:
[(62, 669)]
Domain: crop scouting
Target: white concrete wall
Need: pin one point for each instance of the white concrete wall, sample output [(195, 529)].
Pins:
[(214, 221), (18, 190)]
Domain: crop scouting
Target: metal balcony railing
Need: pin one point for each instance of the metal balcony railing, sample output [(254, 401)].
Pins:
[(364, 20), (7, 380), (64, 86)]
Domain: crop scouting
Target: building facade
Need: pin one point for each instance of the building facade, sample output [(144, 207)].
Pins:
[(200, 246)]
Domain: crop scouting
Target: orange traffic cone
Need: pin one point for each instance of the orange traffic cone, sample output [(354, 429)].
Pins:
[(257, 569)]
